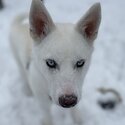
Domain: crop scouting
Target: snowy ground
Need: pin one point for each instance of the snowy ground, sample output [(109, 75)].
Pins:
[(107, 68)]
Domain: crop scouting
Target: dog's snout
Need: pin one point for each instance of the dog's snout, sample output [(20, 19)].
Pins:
[(67, 101)]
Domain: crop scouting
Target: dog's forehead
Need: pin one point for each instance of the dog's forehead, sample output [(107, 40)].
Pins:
[(66, 41)]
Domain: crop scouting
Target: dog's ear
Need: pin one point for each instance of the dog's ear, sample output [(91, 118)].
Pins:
[(89, 24), (41, 23)]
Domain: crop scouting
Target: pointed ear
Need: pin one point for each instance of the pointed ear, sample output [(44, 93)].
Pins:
[(40, 21), (89, 24)]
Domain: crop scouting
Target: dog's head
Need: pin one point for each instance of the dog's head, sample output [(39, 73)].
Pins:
[(63, 51)]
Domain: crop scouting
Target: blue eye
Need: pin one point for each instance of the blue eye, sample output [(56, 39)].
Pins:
[(80, 63), (51, 63)]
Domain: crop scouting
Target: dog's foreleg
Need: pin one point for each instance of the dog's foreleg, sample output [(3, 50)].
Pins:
[(47, 117), (45, 105), (76, 116), (40, 91)]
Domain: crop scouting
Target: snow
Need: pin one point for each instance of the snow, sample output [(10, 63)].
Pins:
[(107, 68)]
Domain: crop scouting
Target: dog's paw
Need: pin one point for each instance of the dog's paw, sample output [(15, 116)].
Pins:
[(77, 117), (47, 122), (78, 121)]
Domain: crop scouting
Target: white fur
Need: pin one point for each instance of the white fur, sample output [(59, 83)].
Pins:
[(65, 43)]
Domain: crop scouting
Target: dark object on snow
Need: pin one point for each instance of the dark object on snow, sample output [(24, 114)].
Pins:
[(1, 4), (107, 105), (110, 98)]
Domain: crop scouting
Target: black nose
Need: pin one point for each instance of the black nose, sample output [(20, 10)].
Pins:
[(67, 101)]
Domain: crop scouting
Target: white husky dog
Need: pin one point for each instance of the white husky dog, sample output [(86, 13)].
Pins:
[(54, 58)]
